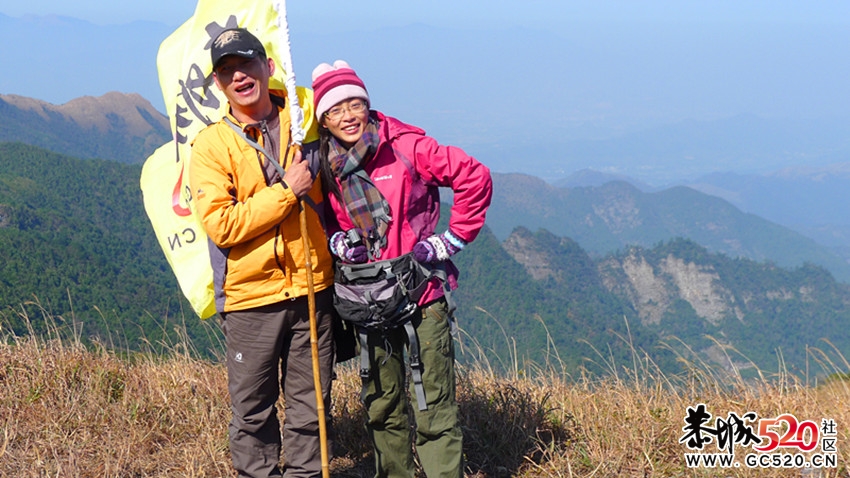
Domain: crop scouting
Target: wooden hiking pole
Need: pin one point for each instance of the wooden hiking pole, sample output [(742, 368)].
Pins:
[(314, 341), (298, 134)]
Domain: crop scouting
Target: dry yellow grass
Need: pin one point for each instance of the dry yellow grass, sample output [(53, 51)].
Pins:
[(69, 411)]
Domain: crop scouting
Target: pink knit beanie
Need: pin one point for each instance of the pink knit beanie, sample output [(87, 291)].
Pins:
[(332, 84)]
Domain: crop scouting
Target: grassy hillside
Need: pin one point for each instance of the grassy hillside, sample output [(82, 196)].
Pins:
[(537, 293), (70, 411), (77, 245), (512, 316)]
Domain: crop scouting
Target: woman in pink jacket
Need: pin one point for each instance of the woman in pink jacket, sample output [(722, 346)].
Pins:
[(390, 211)]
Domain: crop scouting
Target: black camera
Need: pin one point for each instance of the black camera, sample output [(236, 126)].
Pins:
[(353, 239)]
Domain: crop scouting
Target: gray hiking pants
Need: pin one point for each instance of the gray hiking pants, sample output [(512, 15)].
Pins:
[(262, 343)]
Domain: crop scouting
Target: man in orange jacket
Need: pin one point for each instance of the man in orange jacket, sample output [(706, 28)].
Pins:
[(247, 180)]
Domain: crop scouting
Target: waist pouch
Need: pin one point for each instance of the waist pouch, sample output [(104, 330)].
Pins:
[(382, 296), (379, 295)]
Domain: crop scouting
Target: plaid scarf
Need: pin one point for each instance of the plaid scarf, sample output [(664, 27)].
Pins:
[(366, 206)]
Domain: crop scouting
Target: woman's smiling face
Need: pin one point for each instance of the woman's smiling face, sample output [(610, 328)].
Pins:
[(347, 120)]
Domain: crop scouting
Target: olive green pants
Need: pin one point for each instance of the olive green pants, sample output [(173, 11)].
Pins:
[(437, 433)]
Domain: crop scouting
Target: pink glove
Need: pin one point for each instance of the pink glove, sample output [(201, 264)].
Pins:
[(348, 253), (437, 248)]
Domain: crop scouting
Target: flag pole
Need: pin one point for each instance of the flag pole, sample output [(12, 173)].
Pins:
[(297, 134)]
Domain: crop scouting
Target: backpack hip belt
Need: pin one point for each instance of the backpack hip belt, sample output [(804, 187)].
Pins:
[(383, 296)]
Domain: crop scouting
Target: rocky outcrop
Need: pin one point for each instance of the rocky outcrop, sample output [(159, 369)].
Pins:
[(700, 287), (652, 288), (521, 245)]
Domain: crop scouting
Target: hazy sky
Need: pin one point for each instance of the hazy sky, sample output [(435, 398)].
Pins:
[(492, 75), (485, 13)]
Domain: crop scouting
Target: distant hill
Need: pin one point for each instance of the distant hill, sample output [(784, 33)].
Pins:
[(601, 218), (808, 199), (67, 58), (589, 178), (675, 302), (77, 244), (615, 215), (116, 126)]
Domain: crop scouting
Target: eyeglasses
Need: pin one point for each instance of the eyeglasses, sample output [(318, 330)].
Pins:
[(336, 113)]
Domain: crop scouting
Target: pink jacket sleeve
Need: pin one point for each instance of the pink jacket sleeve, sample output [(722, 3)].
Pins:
[(469, 179)]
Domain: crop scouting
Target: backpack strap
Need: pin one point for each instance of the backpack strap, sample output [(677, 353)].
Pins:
[(414, 356), (282, 172), (437, 270), (241, 133), (364, 361), (415, 365), (353, 272)]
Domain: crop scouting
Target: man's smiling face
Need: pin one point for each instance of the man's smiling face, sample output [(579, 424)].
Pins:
[(245, 83)]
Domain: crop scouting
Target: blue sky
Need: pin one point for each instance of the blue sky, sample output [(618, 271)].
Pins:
[(483, 13), (495, 76)]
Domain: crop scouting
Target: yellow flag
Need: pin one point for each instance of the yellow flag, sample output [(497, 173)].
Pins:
[(192, 102)]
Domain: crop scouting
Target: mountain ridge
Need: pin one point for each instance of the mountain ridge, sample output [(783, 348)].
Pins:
[(86, 111), (123, 127), (94, 261), (615, 215), (674, 302), (602, 218)]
